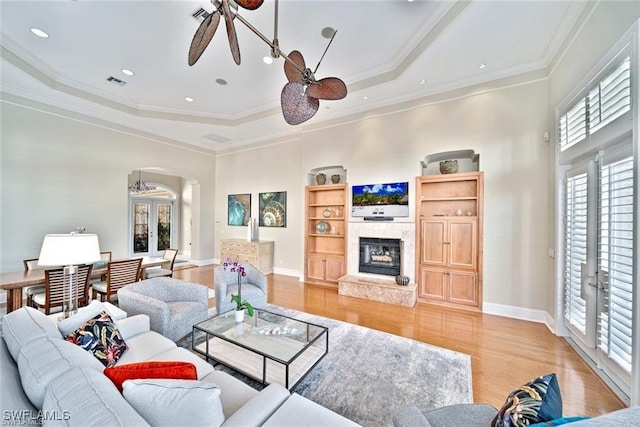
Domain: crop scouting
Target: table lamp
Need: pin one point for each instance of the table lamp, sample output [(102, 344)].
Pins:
[(69, 250)]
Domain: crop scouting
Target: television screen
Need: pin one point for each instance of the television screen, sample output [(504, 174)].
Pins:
[(380, 200)]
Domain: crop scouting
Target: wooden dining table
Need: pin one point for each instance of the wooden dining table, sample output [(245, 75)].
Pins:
[(13, 282)]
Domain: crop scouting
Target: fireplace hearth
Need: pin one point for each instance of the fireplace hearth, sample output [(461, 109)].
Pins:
[(380, 256)]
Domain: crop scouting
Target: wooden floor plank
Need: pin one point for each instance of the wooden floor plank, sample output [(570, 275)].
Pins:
[(506, 353)]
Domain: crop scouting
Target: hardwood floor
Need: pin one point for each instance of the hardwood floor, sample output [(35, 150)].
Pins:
[(506, 353)]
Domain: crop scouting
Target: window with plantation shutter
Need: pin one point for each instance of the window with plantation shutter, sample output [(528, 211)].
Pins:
[(573, 125), (608, 99), (611, 97), (575, 250), (615, 261)]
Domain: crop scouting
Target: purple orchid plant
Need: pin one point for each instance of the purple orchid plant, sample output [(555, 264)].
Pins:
[(236, 267)]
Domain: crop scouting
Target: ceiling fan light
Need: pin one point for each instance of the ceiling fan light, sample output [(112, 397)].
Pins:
[(267, 59)]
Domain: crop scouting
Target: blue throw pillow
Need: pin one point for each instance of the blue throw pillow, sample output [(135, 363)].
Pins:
[(560, 421), (538, 401)]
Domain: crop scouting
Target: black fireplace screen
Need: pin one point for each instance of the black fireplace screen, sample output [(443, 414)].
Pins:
[(380, 256)]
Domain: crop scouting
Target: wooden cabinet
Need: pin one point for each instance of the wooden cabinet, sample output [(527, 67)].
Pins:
[(325, 234), (259, 254), (449, 239)]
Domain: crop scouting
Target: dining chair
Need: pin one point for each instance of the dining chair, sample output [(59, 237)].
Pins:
[(105, 259), (119, 273), (56, 288), (169, 254), (30, 291)]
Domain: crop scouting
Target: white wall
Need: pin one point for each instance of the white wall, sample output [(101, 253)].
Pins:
[(504, 126), (59, 173)]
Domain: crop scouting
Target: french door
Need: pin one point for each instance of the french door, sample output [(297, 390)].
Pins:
[(152, 226), (599, 261)]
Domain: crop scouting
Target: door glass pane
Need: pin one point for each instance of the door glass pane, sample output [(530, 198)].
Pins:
[(164, 226), (141, 227)]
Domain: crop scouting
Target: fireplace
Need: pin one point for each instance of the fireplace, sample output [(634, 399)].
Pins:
[(380, 256)]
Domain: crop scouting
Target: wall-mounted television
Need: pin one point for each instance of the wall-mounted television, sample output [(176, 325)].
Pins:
[(380, 201)]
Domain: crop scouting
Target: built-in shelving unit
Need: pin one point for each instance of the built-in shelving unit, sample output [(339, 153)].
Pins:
[(449, 239), (326, 233)]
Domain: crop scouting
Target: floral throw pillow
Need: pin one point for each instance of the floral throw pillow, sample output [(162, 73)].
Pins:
[(101, 337), (538, 401)]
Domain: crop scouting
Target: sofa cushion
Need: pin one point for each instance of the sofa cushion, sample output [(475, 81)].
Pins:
[(44, 359), (175, 402), (146, 346), (24, 325), (100, 337), (13, 396), (85, 397), (537, 401), (84, 314), (203, 367), (298, 411), (145, 370), (235, 393)]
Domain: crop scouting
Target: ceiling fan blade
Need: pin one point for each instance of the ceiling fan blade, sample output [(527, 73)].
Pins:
[(297, 107), (250, 4), (231, 31), (203, 36), (292, 73), (328, 88)]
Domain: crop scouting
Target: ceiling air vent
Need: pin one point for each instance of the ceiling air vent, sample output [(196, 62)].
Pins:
[(200, 14), (116, 81), (216, 138)]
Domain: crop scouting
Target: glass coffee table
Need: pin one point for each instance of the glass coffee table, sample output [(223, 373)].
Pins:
[(268, 347)]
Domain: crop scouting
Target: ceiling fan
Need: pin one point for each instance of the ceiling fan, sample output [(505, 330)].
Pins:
[(300, 96)]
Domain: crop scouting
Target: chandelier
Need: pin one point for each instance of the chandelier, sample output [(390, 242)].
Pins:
[(140, 186)]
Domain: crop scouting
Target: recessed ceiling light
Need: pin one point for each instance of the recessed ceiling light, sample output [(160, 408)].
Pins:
[(365, 97), (327, 32), (267, 60), (127, 72), (423, 81), (38, 32), (188, 99), (221, 82), (482, 65)]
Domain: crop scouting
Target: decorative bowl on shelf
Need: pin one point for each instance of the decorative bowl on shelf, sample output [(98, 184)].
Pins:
[(322, 227), (448, 166), (326, 213)]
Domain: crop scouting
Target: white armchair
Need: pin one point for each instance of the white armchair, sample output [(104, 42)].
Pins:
[(254, 287)]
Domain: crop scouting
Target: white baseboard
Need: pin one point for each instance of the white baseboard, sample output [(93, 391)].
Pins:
[(286, 271), (538, 316)]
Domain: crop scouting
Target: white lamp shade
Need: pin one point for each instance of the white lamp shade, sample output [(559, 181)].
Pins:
[(69, 249)]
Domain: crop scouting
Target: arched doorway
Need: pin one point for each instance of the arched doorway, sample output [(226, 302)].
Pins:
[(153, 221)]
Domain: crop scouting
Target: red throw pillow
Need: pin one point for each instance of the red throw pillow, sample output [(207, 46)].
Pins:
[(144, 370)]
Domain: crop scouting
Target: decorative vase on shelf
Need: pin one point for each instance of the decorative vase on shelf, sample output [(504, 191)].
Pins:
[(402, 280), (335, 178), (321, 179), (448, 166)]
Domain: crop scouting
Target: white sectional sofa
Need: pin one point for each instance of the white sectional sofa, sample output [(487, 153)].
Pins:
[(45, 376)]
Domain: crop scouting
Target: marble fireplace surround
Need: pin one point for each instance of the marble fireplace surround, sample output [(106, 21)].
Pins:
[(404, 231)]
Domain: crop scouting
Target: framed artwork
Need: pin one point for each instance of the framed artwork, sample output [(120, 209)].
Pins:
[(272, 209), (238, 209)]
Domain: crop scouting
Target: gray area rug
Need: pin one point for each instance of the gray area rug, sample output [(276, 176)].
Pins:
[(368, 374)]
